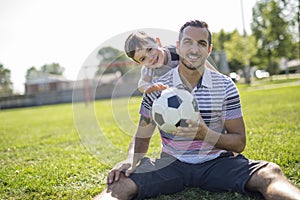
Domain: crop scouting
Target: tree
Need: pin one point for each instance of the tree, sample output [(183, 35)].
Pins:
[(290, 12), (292, 17), (6, 86), (219, 40), (31, 73), (111, 60), (272, 32), (240, 50), (53, 68)]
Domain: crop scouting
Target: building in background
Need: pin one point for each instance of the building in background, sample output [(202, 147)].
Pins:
[(43, 82)]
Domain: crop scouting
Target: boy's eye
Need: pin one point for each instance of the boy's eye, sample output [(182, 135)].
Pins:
[(149, 49), (142, 59)]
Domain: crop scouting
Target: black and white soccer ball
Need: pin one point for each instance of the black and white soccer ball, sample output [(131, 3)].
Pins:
[(173, 108)]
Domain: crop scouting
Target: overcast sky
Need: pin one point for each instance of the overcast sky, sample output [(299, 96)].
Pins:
[(38, 32)]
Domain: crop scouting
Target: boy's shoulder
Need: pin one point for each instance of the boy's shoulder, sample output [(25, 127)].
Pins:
[(173, 57), (171, 48), (172, 54), (165, 78)]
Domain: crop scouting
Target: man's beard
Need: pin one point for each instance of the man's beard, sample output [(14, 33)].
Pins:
[(189, 65)]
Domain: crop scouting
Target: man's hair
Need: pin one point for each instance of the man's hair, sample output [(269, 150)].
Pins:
[(195, 23), (136, 40)]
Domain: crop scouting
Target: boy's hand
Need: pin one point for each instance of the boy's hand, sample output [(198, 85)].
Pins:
[(155, 87)]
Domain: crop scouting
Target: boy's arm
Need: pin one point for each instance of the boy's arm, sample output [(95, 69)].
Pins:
[(144, 82), (145, 79), (155, 87)]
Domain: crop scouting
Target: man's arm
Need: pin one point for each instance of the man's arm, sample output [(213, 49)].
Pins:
[(137, 149), (234, 140), (140, 142)]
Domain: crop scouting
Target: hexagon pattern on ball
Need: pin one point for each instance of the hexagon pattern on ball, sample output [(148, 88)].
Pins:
[(173, 108)]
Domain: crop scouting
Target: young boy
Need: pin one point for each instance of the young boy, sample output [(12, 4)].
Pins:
[(156, 60)]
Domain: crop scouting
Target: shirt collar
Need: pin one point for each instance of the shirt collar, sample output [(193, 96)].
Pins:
[(205, 81), (206, 78)]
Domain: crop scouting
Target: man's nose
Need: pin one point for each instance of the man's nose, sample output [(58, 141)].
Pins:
[(194, 47)]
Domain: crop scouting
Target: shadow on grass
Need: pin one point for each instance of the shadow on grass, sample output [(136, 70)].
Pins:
[(195, 193)]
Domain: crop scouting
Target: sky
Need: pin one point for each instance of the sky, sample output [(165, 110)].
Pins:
[(38, 32)]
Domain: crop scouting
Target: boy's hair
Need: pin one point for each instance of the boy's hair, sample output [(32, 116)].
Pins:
[(136, 40), (196, 23)]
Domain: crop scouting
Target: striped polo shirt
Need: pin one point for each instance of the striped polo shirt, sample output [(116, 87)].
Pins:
[(218, 100)]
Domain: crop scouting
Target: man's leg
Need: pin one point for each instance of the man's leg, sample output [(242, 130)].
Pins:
[(125, 188), (272, 183)]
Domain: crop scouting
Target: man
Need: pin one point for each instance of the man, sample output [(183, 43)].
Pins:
[(200, 155)]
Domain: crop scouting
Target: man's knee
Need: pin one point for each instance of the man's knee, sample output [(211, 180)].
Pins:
[(263, 177), (125, 188), (270, 172)]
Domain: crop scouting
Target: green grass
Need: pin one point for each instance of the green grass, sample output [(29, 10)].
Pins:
[(49, 152)]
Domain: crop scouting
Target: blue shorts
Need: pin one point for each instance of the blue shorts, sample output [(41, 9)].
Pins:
[(167, 175)]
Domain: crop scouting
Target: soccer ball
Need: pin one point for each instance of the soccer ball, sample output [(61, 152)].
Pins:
[(173, 108)]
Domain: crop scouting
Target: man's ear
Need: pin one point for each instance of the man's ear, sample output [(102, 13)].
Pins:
[(210, 49), (157, 40), (177, 47)]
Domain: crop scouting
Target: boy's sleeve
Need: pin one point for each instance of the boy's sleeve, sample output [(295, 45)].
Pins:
[(146, 71), (147, 102), (145, 79), (173, 57)]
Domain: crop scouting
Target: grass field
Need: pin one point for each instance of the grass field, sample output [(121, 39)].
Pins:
[(49, 152)]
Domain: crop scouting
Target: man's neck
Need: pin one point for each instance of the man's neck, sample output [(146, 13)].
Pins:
[(190, 77)]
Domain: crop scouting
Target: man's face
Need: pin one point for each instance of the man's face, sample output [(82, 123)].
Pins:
[(150, 56), (193, 48)]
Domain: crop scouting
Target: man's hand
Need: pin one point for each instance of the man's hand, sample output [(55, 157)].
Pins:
[(126, 166), (195, 130), (155, 87)]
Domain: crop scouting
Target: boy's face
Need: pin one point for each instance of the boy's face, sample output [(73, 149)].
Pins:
[(151, 56)]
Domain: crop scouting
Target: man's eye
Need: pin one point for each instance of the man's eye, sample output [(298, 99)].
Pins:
[(142, 59), (150, 49), (202, 44), (187, 42)]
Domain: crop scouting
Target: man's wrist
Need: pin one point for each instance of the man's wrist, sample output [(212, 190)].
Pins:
[(211, 136)]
